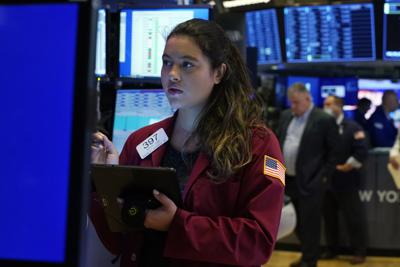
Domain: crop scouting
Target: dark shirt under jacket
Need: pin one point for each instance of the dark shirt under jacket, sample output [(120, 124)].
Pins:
[(360, 119), (154, 241)]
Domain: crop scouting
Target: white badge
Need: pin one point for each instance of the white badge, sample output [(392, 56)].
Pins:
[(378, 125), (153, 142)]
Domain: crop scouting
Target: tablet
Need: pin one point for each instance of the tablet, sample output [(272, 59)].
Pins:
[(134, 185)]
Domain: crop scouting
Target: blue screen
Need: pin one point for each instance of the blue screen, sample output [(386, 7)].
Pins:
[(37, 52), (142, 38), (346, 88), (263, 33), (312, 85), (331, 33), (391, 30), (135, 109)]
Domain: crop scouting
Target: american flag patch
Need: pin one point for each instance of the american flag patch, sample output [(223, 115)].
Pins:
[(273, 168)]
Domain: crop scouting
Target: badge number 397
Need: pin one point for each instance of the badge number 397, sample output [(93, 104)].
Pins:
[(151, 143)]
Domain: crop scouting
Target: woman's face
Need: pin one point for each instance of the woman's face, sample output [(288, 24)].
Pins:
[(186, 74)]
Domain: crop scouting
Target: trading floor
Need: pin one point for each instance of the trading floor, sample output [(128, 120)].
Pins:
[(284, 258)]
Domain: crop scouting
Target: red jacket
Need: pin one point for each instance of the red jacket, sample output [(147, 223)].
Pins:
[(233, 223)]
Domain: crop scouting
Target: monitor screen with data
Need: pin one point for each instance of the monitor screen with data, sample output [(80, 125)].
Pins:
[(142, 37), (136, 108), (330, 33), (262, 32)]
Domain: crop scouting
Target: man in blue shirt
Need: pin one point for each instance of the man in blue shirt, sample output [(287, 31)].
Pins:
[(308, 137), (381, 127)]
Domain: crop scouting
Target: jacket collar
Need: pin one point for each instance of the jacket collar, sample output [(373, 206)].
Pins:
[(308, 127), (310, 119), (158, 154), (340, 119)]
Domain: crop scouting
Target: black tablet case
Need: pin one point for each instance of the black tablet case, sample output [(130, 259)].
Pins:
[(117, 181)]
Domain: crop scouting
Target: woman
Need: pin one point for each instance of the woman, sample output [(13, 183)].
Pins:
[(228, 163)]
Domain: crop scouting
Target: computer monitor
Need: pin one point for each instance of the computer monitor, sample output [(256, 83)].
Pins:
[(47, 73), (263, 33), (101, 69), (143, 32), (346, 88), (136, 108), (312, 85), (391, 30), (330, 33)]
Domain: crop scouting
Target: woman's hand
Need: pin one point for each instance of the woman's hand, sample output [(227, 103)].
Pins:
[(160, 219), (103, 150)]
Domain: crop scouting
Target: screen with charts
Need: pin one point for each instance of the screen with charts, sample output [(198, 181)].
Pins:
[(331, 33), (101, 43), (263, 33), (142, 38), (37, 109), (391, 30), (135, 109)]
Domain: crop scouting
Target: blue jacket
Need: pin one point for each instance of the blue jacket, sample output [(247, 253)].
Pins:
[(381, 129)]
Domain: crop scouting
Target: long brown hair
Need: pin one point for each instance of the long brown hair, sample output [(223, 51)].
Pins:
[(224, 126)]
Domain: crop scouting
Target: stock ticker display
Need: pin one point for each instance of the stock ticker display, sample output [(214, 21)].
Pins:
[(331, 33), (263, 33)]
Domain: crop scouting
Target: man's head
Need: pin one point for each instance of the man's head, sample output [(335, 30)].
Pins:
[(363, 105), (333, 105), (390, 101), (300, 99)]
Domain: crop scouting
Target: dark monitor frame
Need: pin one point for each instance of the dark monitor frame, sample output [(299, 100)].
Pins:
[(378, 10), (147, 81), (112, 43), (83, 120)]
